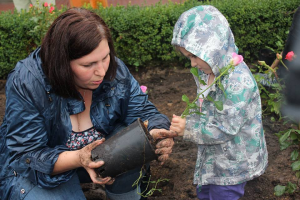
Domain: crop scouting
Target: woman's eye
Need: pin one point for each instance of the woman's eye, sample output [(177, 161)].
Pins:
[(89, 65), (106, 57)]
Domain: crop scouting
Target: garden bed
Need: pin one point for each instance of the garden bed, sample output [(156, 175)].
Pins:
[(165, 88)]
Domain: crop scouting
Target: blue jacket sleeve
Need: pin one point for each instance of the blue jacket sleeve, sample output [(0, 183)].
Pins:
[(27, 137)]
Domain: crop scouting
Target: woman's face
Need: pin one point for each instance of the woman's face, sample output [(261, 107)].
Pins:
[(196, 61), (90, 69)]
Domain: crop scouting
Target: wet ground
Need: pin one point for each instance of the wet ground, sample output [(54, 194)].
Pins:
[(165, 88)]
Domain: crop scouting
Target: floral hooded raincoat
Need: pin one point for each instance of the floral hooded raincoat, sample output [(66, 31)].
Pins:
[(231, 143)]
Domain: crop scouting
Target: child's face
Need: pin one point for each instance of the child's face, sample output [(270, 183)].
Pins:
[(195, 61)]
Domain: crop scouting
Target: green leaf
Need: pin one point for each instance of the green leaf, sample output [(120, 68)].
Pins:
[(273, 119), (222, 88), (298, 174), (209, 98), (294, 136), (277, 106), (201, 81), (194, 71), (192, 105), (298, 131), (296, 165), (285, 145), (223, 70), (278, 134), (185, 99), (279, 190), (197, 112), (136, 63), (219, 105), (291, 188), (294, 155), (285, 136), (35, 19)]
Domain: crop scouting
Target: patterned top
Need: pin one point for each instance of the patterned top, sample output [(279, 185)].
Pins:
[(78, 140), (202, 88), (231, 143)]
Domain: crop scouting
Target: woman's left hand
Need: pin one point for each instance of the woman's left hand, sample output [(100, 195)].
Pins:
[(89, 165), (164, 146)]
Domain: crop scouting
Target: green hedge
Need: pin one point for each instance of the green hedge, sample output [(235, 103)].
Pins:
[(20, 34), (142, 35)]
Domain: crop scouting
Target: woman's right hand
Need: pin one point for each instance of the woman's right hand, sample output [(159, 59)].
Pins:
[(86, 162)]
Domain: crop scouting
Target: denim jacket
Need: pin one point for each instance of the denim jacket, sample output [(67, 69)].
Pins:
[(37, 124), (231, 142)]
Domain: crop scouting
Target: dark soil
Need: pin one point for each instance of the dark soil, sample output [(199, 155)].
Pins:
[(165, 88)]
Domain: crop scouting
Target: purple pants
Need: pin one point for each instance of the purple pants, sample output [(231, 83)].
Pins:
[(221, 192)]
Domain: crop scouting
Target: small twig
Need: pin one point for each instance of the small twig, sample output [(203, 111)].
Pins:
[(284, 65)]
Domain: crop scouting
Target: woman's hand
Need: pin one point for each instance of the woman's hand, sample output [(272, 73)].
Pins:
[(162, 133), (84, 155), (164, 149), (178, 125), (164, 146)]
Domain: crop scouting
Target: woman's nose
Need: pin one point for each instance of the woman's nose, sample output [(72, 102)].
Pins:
[(99, 71)]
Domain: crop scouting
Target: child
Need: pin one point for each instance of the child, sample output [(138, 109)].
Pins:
[(231, 143)]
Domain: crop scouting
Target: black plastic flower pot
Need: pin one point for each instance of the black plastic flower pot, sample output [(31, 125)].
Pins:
[(126, 150)]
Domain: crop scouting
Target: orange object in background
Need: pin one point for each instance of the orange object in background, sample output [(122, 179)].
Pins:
[(80, 3), (94, 3)]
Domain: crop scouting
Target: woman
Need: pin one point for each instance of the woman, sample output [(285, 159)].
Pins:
[(62, 101)]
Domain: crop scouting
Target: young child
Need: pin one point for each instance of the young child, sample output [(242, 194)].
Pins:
[(231, 143)]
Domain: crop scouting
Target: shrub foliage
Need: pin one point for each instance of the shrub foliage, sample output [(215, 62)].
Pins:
[(142, 34)]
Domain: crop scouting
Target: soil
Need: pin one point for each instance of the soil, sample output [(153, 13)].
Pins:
[(166, 85)]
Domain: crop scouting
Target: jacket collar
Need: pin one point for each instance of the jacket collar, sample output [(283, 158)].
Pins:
[(34, 64)]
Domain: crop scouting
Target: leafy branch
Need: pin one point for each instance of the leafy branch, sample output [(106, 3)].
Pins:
[(287, 137), (192, 107)]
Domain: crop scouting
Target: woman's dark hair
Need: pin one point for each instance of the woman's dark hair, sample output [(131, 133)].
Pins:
[(72, 35)]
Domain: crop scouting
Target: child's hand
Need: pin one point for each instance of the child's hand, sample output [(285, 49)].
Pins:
[(178, 125)]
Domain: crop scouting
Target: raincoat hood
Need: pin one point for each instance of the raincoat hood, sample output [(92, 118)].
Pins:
[(205, 32)]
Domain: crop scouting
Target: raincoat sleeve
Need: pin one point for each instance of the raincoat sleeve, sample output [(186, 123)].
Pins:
[(27, 136), (241, 105), (140, 107)]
